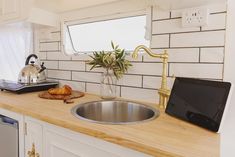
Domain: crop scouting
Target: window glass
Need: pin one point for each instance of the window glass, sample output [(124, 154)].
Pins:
[(96, 36)]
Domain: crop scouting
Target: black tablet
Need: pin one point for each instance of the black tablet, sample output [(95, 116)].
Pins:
[(200, 102)]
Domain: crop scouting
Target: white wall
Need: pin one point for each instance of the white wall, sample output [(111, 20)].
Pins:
[(228, 135)]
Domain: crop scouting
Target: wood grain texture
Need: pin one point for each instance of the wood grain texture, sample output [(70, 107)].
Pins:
[(163, 137)]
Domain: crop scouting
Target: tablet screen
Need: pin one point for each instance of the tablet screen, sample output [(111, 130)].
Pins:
[(200, 102)]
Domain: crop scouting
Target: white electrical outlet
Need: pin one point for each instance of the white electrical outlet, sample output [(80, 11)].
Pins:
[(195, 17)]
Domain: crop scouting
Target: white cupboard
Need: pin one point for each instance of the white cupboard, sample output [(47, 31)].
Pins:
[(10, 9)]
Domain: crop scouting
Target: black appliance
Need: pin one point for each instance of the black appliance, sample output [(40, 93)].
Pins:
[(200, 102), (24, 88)]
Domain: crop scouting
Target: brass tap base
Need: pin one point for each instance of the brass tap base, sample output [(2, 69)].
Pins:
[(163, 97)]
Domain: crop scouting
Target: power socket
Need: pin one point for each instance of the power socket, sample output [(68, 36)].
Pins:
[(195, 17)]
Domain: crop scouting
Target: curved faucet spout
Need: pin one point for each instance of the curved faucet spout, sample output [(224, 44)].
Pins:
[(163, 92), (148, 50)]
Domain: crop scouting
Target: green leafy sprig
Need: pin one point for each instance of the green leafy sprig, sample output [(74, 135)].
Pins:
[(111, 60)]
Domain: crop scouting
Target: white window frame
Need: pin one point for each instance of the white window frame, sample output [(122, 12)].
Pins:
[(65, 24)]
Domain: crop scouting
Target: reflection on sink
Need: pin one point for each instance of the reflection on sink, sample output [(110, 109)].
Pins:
[(114, 112)]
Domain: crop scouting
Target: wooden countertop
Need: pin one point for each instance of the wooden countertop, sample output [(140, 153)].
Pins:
[(163, 137)]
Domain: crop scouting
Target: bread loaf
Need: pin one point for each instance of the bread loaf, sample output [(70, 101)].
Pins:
[(65, 90)]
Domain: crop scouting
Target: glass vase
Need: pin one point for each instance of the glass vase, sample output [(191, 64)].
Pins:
[(108, 86)]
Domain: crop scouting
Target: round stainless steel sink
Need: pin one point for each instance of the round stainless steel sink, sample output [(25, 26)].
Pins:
[(114, 112)]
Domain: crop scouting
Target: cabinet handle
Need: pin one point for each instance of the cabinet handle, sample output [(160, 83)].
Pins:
[(33, 153)]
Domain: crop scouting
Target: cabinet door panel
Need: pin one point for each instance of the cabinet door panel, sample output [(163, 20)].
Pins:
[(33, 136), (56, 145), (10, 9)]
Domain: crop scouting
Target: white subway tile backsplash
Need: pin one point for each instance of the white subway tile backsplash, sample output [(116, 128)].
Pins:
[(160, 41), (199, 39), (171, 26), (131, 80), (146, 69), (212, 55), (88, 68), (71, 65), (95, 89), (155, 82), (80, 86), (51, 64), (217, 7), (86, 77), (151, 82), (212, 71), (54, 36), (216, 21), (140, 94), (59, 74), (49, 46), (159, 14), (192, 53), (57, 56), (81, 57), (176, 55), (42, 55), (176, 13)]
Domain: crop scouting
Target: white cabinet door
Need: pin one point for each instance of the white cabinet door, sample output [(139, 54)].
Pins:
[(10, 9), (57, 145), (60, 142), (33, 137)]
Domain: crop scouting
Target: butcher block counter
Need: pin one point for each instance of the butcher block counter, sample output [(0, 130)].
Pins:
[(165, 136)]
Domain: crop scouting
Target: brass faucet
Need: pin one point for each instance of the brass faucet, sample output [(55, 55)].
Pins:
[(163, 92)]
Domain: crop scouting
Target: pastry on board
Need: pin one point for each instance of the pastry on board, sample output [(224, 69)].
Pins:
[(65, 90)]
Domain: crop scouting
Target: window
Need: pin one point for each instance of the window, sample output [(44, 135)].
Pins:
[(126, 32)]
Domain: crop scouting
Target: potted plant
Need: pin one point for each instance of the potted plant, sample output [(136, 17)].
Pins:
[(114, 65)]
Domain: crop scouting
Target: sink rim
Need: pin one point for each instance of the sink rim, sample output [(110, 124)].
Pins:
[(155, 111)]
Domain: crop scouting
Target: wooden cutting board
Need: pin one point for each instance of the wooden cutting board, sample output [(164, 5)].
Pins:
[(75, 94)]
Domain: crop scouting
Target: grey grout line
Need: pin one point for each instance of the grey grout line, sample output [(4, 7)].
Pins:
[(222, 12), (142, 81), (188, 47), (43, 41), (196, 63), (49, 51), (197, 31), (165, 19), (168, 69), (169, 40), (199, 58)]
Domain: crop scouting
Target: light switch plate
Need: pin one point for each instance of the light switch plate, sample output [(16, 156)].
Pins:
[(195, 17)]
